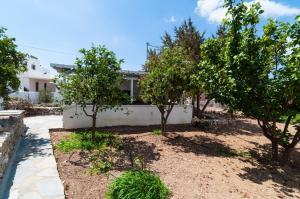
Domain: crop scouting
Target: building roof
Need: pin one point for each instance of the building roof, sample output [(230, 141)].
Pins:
[(133, 73), (71, 67), (64, 66)]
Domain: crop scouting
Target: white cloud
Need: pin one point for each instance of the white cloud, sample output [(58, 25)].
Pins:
[(171, 19), (211, 9), (214, 12), (274, 9)]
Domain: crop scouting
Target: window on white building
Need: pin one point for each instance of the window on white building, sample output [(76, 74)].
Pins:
[(33, 66), (36, 86)]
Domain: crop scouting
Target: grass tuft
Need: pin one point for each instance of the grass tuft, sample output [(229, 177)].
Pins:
[(233, 153), (83, 141), (156, 132), (138, 184)]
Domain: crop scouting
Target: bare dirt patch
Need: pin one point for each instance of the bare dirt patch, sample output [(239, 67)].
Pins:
[(194, 164)]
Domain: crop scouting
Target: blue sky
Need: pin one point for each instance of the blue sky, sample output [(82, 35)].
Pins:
[(54, 30)]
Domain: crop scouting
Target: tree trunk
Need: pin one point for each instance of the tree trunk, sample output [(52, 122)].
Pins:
[(198, 104), (204, 107), (274, 150), (286, 155), (94, 127), (164, 128), (164, 118), (193, 105), (162, 124)]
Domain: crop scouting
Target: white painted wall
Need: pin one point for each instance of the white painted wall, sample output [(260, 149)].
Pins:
[(131, 115), (32, 97)]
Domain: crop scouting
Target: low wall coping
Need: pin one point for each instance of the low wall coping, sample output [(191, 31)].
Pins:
[(132, 105), (11, 112)]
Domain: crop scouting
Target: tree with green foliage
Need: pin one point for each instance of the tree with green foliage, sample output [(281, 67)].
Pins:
[(221, 32), (189, 39), (255, 73), (12, 62), (151, 60), (95, 81), (163, 86)]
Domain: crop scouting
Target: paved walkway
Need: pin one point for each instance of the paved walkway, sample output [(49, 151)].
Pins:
[(35, 174)]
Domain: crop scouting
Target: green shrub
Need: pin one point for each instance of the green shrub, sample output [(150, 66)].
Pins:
[(232, 153), (157, 132), (83, 141), (139, 162), (100, 166), (103, 160), (45, 96), (138, 185)]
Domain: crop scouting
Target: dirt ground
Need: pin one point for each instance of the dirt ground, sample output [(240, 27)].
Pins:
[(193, 163)]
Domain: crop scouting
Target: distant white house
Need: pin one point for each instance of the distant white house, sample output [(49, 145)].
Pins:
[(130, 85), (35, 79)]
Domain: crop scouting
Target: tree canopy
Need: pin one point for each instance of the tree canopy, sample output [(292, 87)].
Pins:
[(164, 84), (12, 62), (256, 74), (95, 81)]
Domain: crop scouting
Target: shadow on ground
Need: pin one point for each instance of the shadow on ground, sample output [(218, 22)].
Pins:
[(259, 170), (130, 149), (285, 178), (235, 127), (198, 144), (30, 146)]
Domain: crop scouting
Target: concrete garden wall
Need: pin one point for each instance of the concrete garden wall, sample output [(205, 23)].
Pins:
[(129, 115)]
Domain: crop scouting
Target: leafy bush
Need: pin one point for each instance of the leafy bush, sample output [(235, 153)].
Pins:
[(157, 132), (100, 166), (103, 161), (83, 141), (139, 162), (138, 184), (233, 153), (45, 96)]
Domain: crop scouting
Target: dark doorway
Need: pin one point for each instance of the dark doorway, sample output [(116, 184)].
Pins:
[(36, 86)]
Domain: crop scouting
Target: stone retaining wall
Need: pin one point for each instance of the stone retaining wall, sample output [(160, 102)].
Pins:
[(11, 129), (37, 111)]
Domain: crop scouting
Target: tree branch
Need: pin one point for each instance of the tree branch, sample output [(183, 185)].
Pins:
[(265, 129), (169, 111), (89, 115), (259, 123), (287, 123), (295, 140), (205, 105)]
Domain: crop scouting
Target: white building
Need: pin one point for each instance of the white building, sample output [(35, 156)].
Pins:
[(36, 77), (130, 85)]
